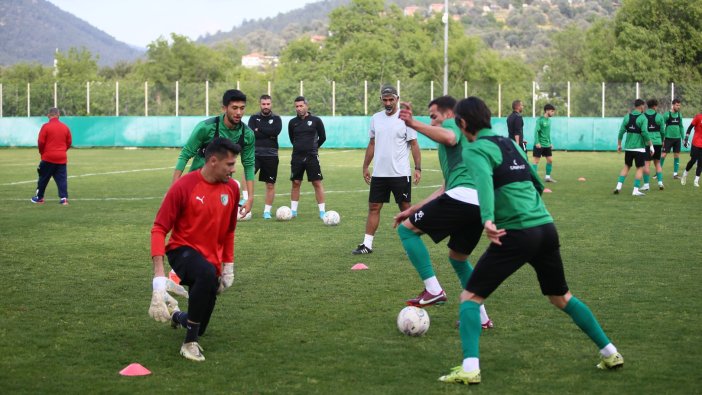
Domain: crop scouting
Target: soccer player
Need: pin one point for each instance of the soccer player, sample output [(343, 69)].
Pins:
[(199, 211), (695, 151), (515, 124), (634, 146), (452, 210), (520, 230), (542, 141), (673, 134), (227, 125), (388, 148), (307, 135), (655, 125), (266, 127), (54, 141)]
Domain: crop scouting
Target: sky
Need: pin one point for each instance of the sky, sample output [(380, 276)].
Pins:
[(139, 22)]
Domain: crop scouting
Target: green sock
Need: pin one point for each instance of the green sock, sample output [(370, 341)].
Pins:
[(662, 161), (463, 270), (586, 321), (621, 179), (637, 183), (646, 177), (676, 164), (416, 251), (660, 176), (470, 329), (549, 166)]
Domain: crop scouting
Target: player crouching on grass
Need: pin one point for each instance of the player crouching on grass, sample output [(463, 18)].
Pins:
[(520, 230), (200, 211)]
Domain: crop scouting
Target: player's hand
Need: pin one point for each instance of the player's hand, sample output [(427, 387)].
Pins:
[(651, 150), (366, 176), (401, 216), (177, 289), (537, 146), (619, 148), (405, 111), (417, 176), (227, 275), (158, 309), (493, 233), (686, 144), (246, 208)]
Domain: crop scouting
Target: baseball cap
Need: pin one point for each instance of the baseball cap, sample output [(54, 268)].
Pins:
[(388, 90)]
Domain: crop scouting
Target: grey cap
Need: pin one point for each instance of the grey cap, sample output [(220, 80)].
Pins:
[(388, 90)]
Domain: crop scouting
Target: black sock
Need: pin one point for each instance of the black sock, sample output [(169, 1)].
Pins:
[(192, 334), (180, 317)]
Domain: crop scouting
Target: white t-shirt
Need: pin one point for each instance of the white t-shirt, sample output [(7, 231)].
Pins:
[(392, 145)]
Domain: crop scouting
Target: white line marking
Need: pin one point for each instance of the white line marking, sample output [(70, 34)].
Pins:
[(94, 174)]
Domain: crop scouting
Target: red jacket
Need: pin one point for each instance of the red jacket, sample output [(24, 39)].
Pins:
[(54, 140)]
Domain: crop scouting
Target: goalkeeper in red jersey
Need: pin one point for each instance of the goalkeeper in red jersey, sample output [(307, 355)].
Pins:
[(200, 212)]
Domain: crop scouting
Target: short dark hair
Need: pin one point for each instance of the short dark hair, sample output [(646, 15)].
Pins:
[(549, 106), (233, 95), (443, 103), (676, 101), (265, 97), (515, 104), (53, 111), (651, 103), (639, 103), (475, 113), (301, 98), (220, 146)]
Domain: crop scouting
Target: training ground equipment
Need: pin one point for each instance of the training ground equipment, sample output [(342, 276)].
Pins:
[(413, 321), (283, 213), (331, 218)]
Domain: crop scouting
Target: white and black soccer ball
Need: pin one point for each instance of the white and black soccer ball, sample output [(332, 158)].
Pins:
[(283, 213), (331, 218), (244, 218), (413, 321)]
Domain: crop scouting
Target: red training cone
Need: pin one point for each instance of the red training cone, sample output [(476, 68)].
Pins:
[(135, 369)]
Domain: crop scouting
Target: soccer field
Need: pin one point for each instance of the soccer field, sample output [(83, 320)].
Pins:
[(76, 286)]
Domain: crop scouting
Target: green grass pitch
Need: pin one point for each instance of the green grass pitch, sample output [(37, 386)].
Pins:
[(75, 286)]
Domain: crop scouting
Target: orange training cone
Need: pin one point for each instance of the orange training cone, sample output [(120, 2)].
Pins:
[(135, 369), (359, 266), (174, 277)]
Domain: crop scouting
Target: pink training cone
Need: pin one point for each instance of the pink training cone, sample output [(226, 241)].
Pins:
[(546, 190), (581, 179), (174, 277), (359, 266), (135, 369)]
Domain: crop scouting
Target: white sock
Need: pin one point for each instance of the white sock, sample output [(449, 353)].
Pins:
[(619, 185), (483, 315), (647, 185), (368, 241), (608, 350), (246, 195), (321, 206), (697, 179), (432, 285), (293, 205), (684, 172), (471, 364), (267, 208)]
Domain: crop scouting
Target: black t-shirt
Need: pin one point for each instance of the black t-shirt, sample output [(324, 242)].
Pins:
[(266, 129), (306, 134), (515, 126)]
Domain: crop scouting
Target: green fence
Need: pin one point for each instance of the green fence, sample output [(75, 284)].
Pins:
[(578, 134)]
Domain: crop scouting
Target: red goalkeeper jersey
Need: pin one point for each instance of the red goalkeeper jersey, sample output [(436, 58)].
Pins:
[(697, 138), (201, 216)]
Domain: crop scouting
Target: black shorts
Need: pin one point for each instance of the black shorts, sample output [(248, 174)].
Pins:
[(268, 165), (631, 157), (657, 149), (538, 246), (543, 151), (696, 153), (299, 164), (446, 216), (671, 145), (380, 188)]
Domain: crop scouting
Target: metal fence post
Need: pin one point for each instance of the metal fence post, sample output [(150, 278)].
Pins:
[(87, 97), (55, 94), (146, 98), (603, 100), (116, 98), (177, 92), (207, 98), (333, 98), (499, 100), (365, 97), (568, 99), (533, 99)]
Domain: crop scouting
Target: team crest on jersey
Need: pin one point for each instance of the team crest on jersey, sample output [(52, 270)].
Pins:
[(309, 123), (418, 215), (270, 122), (224, 198)]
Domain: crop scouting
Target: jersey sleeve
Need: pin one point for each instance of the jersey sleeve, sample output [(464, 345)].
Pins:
[(480, 167), (166, 218), (191, 146), (321, 133), (248, 158), (228, 245)]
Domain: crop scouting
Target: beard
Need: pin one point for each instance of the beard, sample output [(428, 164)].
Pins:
[(389, 109), (266, 112)]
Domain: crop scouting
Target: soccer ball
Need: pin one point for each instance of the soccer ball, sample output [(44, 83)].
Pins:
[(331, 218), (413, 321), (283, 213), (245, 217)]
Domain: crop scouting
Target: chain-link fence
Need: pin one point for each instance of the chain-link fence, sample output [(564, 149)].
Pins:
[(332, 98)]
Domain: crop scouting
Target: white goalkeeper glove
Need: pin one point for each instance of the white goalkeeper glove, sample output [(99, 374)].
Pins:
[(177, 289), (159, 307), (227, 278), (651, 149)]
